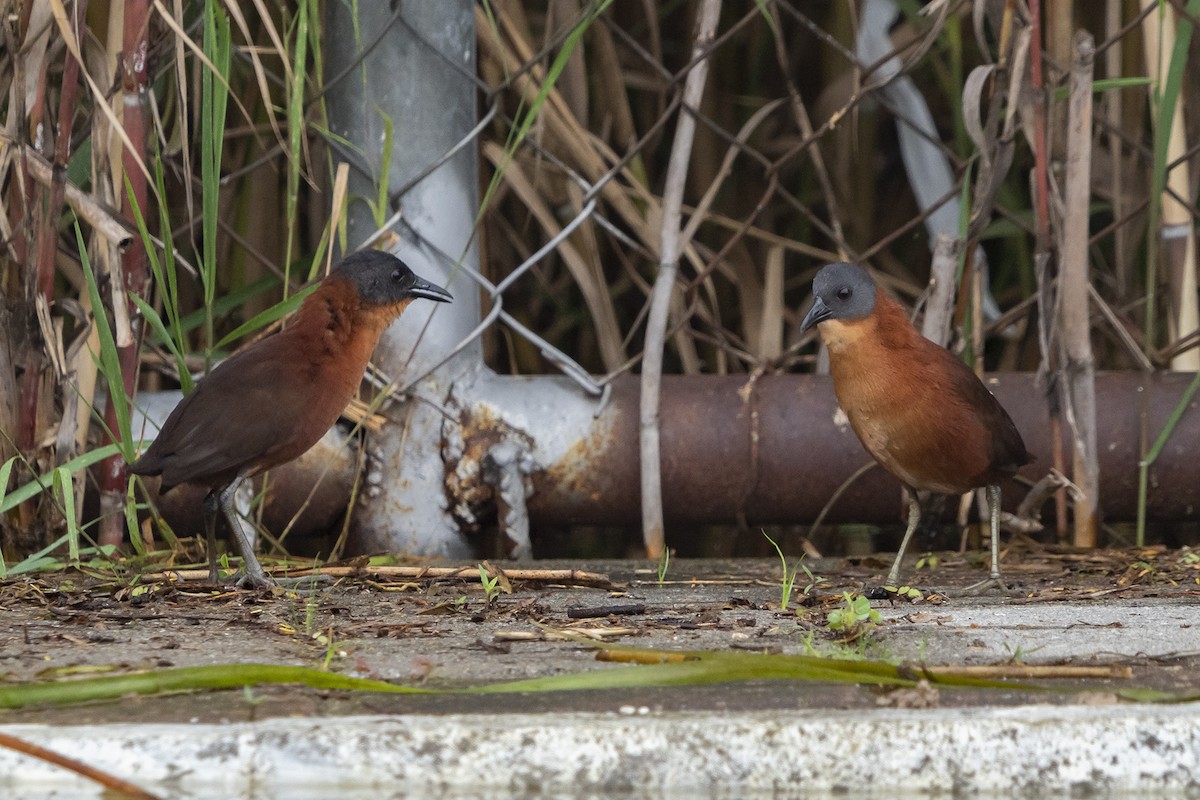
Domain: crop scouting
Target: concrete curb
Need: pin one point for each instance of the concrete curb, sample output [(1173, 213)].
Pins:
[(1025, 751)]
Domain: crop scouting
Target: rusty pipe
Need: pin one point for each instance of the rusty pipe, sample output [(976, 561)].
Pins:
[(773, 451), (766, 451)]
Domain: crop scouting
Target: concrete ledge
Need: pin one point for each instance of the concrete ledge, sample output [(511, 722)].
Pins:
[(1025, 751)]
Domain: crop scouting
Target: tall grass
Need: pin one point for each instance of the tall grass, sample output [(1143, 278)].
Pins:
[(582, 100), (213, 101)]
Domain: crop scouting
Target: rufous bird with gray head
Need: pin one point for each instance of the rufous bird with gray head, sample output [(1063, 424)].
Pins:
[(916, 407)]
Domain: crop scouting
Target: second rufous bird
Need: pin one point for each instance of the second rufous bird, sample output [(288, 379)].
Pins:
[(269, 403)]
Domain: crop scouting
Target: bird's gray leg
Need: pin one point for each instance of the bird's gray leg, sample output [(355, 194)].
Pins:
[(993, 498), (914, 519), (993, 580), (211, 504), (252, 574)]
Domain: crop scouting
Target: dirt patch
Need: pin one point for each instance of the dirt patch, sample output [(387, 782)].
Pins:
[(445, 633)]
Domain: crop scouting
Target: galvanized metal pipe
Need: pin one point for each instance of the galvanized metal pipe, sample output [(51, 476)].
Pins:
[(418, 79)]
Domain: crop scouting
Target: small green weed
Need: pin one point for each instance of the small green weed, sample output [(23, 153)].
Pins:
[(493, 586), (788, 581), (855, 618), (333, 647), (1018, 654)]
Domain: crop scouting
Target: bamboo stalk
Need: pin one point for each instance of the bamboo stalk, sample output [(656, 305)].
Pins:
[(32, 397), (1113, 109), (87, 207), (46, 250), (1177, 234), (134, 267), (1078, 363), (1041, 251)]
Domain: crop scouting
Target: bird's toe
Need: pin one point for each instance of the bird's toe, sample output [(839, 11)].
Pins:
[(991, 585), (253, 580)]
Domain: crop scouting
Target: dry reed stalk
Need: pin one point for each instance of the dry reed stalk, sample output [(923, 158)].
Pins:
[(664, 285), (1078, 363), (939, 308)]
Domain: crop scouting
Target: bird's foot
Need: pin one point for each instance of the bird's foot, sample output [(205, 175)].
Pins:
[(255, 580), (247, 580), (992, 584)]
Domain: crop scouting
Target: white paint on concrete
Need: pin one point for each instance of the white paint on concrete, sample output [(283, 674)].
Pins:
[(1026, 751)]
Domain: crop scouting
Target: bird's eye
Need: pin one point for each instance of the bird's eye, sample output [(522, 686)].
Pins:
[(844, 293)]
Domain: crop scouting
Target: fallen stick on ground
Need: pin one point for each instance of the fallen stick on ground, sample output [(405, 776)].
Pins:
[(572, 577), (109, 781), (1026, 671), (573, 634)]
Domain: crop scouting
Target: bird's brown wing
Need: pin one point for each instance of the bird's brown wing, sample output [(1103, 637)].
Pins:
[(1008, 452), (234, 417)]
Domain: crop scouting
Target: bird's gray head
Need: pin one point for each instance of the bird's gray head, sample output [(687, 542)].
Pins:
[(382, 279), (841, 291)]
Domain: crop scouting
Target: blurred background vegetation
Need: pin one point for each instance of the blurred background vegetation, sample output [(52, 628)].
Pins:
[(201, 125)]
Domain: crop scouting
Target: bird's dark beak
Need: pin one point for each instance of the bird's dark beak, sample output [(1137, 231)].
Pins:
[(430, 291), (819, 313)]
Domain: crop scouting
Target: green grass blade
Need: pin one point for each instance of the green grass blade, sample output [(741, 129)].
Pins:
[(130, 509), (1158, 696), (697, 668), (1152, 456), (109, 362), (295, 133), (159, 328), (164, 278), (214, 92), (38, 560), (266, 317), (44, 482), (525, 121), (703, 667), (6, 471), (385, 168), (1166, 106), (64, 485), (229, 302), (225, 676)]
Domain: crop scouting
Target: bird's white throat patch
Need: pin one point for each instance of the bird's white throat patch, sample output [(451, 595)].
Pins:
[(839, 335)]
